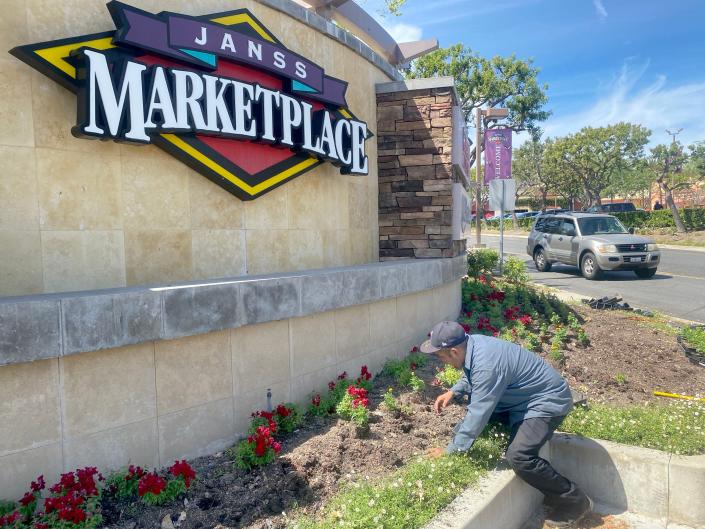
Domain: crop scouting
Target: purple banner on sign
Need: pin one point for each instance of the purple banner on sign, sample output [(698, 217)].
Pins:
[(199, 42), (498, 154), (221, 41)]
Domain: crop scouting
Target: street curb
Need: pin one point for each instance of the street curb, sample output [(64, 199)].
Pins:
[(683, 248)]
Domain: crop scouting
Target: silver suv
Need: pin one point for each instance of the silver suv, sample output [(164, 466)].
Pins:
[(593, 242)]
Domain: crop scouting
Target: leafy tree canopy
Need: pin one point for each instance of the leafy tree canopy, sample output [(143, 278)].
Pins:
[(500, 81), (594, 155)]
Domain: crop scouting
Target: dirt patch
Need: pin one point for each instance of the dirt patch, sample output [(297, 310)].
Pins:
[(315, 461), (599, 521), (627, 360), (695, 238)]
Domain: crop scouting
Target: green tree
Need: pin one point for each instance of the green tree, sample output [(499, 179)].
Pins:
[(632, 182), (595, 155), (674, 169), (500, 81), (531, 169)]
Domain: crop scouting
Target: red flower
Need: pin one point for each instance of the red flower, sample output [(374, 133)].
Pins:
[(331, 386), (364, 374), (414, 349), (466, 327), (134, 472), (183, 469), (277, 447), (74, 515), (9, 519), (283, 411), (413, 366), (151, 483), (39, 484), (435, 382), (343, 375), (41, 525), (66, 483), (316, 400), (359, 396), (27, 499), (525, 319), (495, 295), (86, 481)]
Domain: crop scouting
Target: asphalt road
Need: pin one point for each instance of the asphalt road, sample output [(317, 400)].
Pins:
[(678, 288)]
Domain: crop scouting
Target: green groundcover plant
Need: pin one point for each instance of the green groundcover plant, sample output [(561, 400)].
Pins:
[(677, 427), (695, 338), (414, 494)]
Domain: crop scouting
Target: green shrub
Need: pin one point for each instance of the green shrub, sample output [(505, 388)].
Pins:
[(403, 370), (694, 219), (533, 343), (415, 383), (448, 376), (354, 406), (583, 338), (389, 402), (6, 507), (482, 261), (514, 270)]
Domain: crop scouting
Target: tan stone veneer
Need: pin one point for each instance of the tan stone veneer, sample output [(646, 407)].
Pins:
[(78, 214), (156, 401)]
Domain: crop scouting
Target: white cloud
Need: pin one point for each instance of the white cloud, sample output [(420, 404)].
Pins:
[(600, 8), (403, 32), (657, 105)]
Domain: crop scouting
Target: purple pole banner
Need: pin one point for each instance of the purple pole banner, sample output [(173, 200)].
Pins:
[(200, 42), (498, 154)]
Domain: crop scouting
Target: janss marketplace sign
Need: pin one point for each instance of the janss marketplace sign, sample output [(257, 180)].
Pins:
[(219, 92)]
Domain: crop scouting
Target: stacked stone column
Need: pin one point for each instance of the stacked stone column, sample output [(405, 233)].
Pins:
[(414, 139)]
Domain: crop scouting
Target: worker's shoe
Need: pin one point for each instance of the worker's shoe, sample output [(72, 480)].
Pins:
[(560, 518)]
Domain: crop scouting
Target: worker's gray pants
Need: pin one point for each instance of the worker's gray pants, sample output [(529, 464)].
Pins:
[(527, 438)]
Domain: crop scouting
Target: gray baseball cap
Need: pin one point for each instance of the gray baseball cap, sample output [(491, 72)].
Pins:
[(444, 335)]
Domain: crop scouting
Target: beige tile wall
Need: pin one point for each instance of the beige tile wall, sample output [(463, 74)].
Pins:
[(78, 214), (151, 403)]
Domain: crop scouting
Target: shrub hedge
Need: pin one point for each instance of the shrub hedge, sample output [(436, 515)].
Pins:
[(694, 219)]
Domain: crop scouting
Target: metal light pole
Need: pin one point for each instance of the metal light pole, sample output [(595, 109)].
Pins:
[(490, 113), (478, 177)]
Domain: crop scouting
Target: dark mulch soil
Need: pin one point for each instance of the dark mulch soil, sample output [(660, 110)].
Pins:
[(320, 456), (627, 360), (315, 460)]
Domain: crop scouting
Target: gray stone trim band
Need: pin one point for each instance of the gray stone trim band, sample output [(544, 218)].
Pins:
[(53, 325), (327, 27)]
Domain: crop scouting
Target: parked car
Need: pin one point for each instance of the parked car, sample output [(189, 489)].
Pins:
[(593, 242), (528, 214), (614, 207)]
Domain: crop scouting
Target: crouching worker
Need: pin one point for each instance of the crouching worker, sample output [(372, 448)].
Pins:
[(504, 379)]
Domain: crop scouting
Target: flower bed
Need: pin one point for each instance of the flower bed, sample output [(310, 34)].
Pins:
[(353, 458)]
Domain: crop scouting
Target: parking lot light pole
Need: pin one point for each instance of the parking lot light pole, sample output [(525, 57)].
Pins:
[(490, 113)]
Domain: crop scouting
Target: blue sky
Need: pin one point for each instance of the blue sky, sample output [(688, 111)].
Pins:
[(604, 60)]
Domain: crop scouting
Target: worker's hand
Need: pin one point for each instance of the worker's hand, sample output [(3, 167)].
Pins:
[(442, 401), (435, 452)]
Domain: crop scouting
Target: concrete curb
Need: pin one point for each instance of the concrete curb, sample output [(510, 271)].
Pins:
[(669, 490), (498, 500)]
